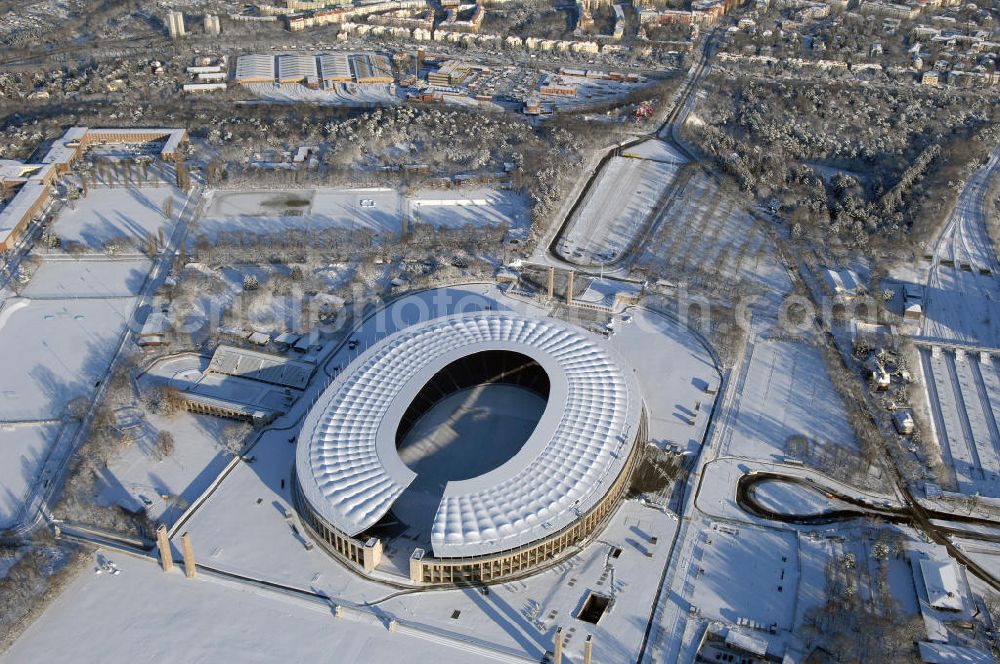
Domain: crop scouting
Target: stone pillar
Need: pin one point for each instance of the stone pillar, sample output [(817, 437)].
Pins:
[(984, 357), (372, 553), (588, 647), (552, 282), (416, 566), (163, 543), (189, 567), (569, 287), (557, 649)]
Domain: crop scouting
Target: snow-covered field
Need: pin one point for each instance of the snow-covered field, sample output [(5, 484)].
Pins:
[(478, 206), (54, 351), (707, 238), (792, 498), (745, 572), (616, 210), (69, 277), (378, 210), (59, 338), (144, 614), (108, 214), (785, 391), (656, 150), (964, 398), (675, 374), (121, 618), (962, 289), (22, 450)]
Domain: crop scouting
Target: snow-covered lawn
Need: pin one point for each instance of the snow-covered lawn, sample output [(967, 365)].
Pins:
[(478, 206), (107, 214), (786, 391), (707, 238), (616, 210), (22, 449), (657, 151), (66, 277), (54, 351), (144, 614), (791, 498), (745, 572), (378, 210), (197, 459)]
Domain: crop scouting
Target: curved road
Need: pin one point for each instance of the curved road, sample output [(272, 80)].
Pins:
[(912, 515), (666, 132)]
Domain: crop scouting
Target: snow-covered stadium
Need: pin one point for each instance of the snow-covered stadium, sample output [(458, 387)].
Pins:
[(470, 448)]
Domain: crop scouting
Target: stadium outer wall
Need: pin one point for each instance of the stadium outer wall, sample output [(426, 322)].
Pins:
[(363, 556)]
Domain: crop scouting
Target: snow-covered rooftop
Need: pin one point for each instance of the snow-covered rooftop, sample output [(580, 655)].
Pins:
[(351, 474), (941, 583)]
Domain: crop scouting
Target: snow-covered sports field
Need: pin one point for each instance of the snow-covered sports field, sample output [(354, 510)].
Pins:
[(616, 210)]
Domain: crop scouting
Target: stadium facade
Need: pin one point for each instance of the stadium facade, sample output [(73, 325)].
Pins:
[(556, 492)]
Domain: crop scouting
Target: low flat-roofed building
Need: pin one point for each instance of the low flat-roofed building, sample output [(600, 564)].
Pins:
[(18, 213), (755, 645), (941, 583), (173, 138), (255, 68), (66, 150), (204, 87), (335, 68), (296, 67), (371, 68)]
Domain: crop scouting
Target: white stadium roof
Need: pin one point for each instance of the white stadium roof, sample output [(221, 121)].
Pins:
[(350, 473)]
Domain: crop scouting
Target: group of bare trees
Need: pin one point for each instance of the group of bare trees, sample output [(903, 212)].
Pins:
[(40, 569), (861, 621), (773, 138)]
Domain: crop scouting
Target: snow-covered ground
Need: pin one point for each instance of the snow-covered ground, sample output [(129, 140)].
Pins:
[(71, 277), (111, 213), (962, 289), (340, 94), (707, 238), (677, 376), (144, 614), (275, 211), (54, 351), (378, 210), (60, 337), (197, 459), (785, 391), (656, 150), (22, 450), (791, 498), (745, 572), (616, 210), (478, 206), (964, 398)]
